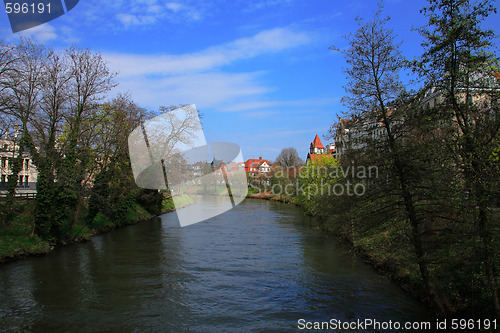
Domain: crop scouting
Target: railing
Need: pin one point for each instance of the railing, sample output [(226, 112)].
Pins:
[(20, 196)]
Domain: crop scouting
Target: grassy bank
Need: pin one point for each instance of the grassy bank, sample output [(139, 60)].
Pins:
[(18, 240), (252, 193)]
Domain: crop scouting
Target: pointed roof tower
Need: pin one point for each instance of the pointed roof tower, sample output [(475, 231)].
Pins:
[(317, 142)]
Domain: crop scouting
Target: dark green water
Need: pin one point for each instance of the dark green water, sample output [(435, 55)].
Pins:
[(256, 268)]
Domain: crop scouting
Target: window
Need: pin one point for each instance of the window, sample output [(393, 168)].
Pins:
[(26, 179), (4, 162), (3, 179), (20, 180), (27, 164)]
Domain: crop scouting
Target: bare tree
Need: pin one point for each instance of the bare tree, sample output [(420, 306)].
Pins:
[(48, 126), (90, 79), (8, 59), (23, 85), (289, 158)]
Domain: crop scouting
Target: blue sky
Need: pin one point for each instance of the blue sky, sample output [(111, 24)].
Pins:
[(260, 71)]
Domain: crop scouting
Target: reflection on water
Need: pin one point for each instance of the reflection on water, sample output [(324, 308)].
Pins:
[(258, 267)]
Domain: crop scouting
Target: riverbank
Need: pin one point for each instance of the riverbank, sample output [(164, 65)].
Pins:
[(270, 196), (18, 240)]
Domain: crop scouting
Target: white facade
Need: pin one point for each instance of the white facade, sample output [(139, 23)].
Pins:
[(264, 167), (27, 176)]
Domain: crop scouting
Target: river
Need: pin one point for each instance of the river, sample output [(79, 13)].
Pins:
[(259, 267)]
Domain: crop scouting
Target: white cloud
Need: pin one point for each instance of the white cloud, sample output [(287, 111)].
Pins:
[(120, 14), (255, 105), (127, 19), (203, 89), (41, 33), (164, 79), (264, 4), (133, 20), (173, 6), (268, 41), (155, 80), (153, 9)]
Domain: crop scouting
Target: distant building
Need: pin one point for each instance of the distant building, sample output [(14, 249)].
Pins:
[(317, 151), (255, 166), (316, 146), (357, 133), (27, 177), (240, 166)]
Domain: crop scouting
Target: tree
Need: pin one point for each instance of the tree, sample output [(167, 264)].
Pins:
[(110, 167), (166, 136), (374, 61), (458, 62), (8, 59), (47, 127), (23, 85), (288, 158), (318, 180), (90, 79)]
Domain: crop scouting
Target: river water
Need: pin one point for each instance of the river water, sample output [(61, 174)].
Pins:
[(259, 267)]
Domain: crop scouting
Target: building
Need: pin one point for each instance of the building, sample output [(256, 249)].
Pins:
[(256, 166), (316, 146), (27, 177), (317, 151), (240, 166), (220, 170), (359, 132)]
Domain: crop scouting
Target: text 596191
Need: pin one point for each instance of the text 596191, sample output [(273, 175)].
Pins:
[(27, 8)]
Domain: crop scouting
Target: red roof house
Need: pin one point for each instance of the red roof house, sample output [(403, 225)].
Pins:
[(258, 165)]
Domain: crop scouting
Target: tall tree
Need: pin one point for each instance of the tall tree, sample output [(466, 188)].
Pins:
[(110, 169), (7, 66), (23, 85), (459, 63), (48, 126), (90, 79), (374, 61)]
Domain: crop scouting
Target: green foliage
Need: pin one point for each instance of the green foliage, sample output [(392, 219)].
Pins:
[(458, 60), (16, 232), (80, 232), (132, 214), (317, 181), (18, 245), (101, 223), (151, 200), (252, 190), (98, 201)]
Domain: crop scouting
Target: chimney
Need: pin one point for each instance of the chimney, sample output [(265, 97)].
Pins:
[(16, 130), (260, 157)]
